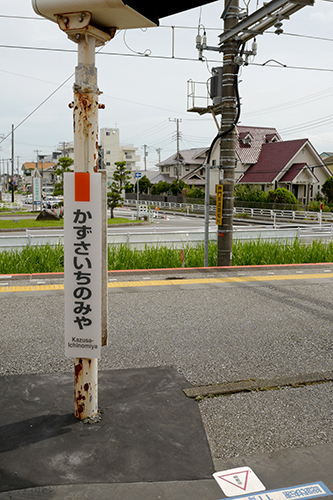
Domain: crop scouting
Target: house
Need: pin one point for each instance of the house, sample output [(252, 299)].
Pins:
[(294, 165), (190, 163), (262, 158), (328, 160), (182, 165), (46, 170)]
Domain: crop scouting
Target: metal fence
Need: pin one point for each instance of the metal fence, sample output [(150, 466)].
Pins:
[(179, 239), (267, 213)]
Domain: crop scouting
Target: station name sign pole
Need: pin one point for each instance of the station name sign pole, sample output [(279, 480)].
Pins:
[(91, 23)]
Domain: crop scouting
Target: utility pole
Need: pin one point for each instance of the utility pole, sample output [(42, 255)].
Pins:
[(177, 121), (228, 140), (145, 154), (13, 159), (232, 44), (158, 150)]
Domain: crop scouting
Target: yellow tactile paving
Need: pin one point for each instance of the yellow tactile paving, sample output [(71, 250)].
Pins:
[(159, 282), (113, 285), (42, 288), (175, 282), (21, 288)]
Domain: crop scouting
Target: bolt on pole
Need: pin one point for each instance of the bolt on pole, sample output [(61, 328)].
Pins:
[(228, 140)]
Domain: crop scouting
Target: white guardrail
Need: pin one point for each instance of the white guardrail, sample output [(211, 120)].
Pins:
[(294, 215), (180, 239)]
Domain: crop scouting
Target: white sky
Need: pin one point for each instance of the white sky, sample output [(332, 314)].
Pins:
[(141, 93)]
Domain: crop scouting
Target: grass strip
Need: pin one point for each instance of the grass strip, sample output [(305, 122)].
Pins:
[(47, 258), (17, 223)]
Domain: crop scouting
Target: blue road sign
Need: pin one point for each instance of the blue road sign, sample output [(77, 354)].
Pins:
[(138, 175)]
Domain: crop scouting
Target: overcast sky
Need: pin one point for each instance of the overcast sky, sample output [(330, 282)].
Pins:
[(141, 92)]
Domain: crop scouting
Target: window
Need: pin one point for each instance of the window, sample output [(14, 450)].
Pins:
[(108, 163), (107, 133), (128, 156), (108, 152), (175, 170), (187, 168)]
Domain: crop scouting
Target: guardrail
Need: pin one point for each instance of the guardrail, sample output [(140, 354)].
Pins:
[(294, 215), (180, 239)]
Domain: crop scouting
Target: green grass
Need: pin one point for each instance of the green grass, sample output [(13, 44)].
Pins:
[(34, 259), (32, 223), (27, 223), (46, 258)]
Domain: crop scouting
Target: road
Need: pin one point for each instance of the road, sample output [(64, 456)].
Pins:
[(258, 323)]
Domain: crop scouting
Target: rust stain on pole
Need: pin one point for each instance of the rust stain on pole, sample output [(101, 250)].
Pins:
[(85, 388)]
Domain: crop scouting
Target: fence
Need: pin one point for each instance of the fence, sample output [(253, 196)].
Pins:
[(180, 239), (267, 213)]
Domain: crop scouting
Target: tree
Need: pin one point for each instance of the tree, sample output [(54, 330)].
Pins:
[(248, 192), (121, 177), (281, 195), (160, 188), (177, 187), (196, 192), (144, 184), (62, 166), (327, 188)]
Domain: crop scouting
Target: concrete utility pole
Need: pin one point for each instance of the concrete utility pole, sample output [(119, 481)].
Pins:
[(177, 121), (228, 141), (13, 159), (236, 34), (145, 154), (158, 151)]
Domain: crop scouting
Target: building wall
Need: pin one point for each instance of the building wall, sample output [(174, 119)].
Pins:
[(112, 152)]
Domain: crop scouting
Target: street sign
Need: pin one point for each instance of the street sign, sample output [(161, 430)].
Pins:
[(36, 188), (240, 481), (138, 175), (219, 204), (83, 273)]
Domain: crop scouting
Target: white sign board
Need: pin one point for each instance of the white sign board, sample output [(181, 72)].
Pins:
[(240, 481), (83, 255), (312, 490), (36, 190)]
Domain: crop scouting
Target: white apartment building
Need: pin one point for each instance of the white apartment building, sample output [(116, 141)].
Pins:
[(110, 151)]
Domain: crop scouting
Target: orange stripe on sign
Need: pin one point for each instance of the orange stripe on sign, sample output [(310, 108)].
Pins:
[(82, 186)]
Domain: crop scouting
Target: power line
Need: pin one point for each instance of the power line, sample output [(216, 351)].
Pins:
[(23, 17), (169, 58), (39, 106), (296, 102), (286, 66)]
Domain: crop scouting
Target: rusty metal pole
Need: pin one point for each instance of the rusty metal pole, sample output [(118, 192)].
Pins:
[(85, 119)]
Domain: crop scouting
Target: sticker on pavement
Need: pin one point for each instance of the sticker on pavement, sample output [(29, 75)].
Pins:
[(235, 482), (311, 490)]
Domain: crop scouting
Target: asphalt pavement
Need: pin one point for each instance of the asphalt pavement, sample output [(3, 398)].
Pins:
[(169, 332)]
